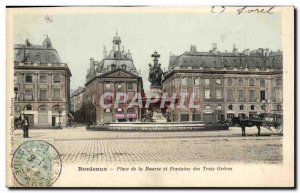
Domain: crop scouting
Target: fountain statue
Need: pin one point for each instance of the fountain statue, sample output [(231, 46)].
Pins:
[(155, 78), (155, 72)]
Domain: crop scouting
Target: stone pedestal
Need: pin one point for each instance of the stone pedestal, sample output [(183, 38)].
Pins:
[(157, 116)]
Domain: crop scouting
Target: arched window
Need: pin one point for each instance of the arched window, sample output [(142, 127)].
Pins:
[(113, 66), (130, 111), (56, 108), (252, 107), (120, 110), (219, 107), (107, 110), (230, 107), (124, 66), (28, 108)]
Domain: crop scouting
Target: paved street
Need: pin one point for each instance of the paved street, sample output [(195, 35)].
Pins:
[(76, 145)]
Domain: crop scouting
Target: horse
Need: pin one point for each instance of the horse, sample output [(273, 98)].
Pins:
[(18, 122), (243, 122)]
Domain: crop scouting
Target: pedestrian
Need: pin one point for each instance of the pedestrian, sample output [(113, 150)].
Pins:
[(25, 128)]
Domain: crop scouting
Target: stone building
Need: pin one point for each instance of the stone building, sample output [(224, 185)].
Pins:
[(115, 73), (77, 105), (225, 83), (41, 84)]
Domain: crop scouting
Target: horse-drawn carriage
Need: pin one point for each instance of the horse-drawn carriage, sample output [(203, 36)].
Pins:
[(271, 121)]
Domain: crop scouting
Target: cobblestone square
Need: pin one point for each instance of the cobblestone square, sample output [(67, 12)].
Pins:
[(76, 145)]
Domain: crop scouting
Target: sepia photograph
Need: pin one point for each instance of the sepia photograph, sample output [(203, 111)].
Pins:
[(150, 96)]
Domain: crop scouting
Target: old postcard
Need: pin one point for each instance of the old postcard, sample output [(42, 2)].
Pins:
[(150, 96)]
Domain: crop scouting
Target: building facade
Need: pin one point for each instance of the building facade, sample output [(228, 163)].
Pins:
[(225, 84), (77, 105), (41, 85), (115, 73)]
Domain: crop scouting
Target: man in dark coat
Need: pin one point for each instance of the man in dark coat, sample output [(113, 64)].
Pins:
[(25, 127)]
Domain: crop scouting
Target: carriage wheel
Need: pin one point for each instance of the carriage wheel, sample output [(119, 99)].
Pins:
[(278, 127), (267, 126)]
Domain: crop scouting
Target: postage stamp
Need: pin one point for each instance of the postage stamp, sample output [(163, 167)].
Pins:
[(36, 163)]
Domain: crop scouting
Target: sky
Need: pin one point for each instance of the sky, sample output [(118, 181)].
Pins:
[(78, 37)]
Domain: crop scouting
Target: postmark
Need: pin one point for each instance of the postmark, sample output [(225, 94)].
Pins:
[(36, 163)]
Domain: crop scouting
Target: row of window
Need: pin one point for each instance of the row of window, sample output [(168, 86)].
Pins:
[(118, 86), (120, 110), (55, 108), (114, 66), (28, 94), (42, 78), (241, 97), (242, 107), (218, 81)]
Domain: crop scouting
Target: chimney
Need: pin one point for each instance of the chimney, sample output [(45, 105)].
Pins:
[(104, 52), (47, 42), (267, 52), (92, 65), (193, 49), (27, 43), (234, 50), (214, 48)]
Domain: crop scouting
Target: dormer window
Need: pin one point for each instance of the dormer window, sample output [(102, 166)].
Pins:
[(124, 66), (113, 66)]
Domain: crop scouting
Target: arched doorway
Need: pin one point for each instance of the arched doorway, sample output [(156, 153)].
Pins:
[(55, 115)]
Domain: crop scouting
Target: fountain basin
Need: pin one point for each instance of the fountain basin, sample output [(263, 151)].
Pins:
[(155, 126)]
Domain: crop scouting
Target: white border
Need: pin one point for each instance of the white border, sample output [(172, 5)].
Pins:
[(4, 3)]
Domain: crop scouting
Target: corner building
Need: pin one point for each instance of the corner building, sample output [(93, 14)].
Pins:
[(115, 73), (41, 85), (225, 84)]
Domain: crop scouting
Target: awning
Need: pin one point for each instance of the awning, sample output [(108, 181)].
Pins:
[(120, 116), (131, 116)]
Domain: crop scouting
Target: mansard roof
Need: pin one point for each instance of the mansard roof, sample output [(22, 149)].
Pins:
[(272, 60), (28, 53)]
